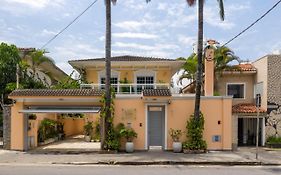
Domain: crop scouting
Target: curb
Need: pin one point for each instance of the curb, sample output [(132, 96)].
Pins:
[(168, 163)]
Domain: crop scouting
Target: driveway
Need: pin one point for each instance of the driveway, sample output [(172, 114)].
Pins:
[(70, 144)]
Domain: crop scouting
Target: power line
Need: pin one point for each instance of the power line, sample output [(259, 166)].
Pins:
[(54, 37), (247, 28)]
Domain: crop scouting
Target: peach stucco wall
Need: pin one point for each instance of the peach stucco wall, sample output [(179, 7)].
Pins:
[(162, 75), (215, 109), (247, 79), (17, 127), (132, 111)]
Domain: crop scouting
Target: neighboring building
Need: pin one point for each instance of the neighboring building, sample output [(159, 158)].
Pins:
[(244, 82), (268, 85), (144, 101), (47, 72)]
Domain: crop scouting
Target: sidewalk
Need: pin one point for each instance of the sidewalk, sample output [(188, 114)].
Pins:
[(244, 156)]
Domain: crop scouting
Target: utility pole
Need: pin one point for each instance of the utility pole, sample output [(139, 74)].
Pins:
[(17, 75), (258, 105)]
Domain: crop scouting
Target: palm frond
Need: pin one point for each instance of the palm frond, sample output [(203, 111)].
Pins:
[(191, 2)]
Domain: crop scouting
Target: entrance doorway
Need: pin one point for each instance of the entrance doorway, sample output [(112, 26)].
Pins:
[(156, 126), (247, 131)]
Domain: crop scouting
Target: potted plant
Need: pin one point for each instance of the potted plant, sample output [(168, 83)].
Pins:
[(176, 134), (88, 130), (129, 135)]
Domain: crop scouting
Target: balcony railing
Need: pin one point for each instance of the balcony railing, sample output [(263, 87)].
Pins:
[(129, 88)]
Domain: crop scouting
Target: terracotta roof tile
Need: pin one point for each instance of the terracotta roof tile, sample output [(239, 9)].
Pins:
[(56, 92), (246, 108), (242, 67), (157, 92), (127, 58)]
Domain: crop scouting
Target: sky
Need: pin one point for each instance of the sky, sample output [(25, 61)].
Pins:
[(161, 28)]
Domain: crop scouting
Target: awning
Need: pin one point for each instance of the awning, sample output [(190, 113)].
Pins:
[(67, 109)]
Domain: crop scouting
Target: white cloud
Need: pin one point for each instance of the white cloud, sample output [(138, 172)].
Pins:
[(132, 25), (238, 7), (186, 40), (36, 4), (212, 18), (133, 46), (135, 35), (46, 32)]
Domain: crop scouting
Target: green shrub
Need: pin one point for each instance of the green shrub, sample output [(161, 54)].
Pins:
[(194, 134), (129, 134), (88, 128), (175, 134), (114, 136), (272, 140), (47, 129)]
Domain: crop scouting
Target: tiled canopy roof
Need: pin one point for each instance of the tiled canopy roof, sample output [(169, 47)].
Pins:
[(242, 67), (127, 58), (246, 108), (26, 49), (56, 92), (157, 92)]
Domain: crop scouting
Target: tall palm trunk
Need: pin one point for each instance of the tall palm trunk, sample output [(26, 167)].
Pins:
[(108, 72), (200, 56)]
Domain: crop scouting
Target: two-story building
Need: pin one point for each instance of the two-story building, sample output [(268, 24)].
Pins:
[(145, 101)]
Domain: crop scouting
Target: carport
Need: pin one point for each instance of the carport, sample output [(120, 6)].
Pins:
[(53, 105)]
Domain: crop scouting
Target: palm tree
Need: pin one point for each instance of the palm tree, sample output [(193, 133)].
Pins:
[(189, 68), (108, 71), (223, 56), (35, 59), (200, 50)]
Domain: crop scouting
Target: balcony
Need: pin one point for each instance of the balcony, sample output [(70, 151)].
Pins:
[(130, 88)]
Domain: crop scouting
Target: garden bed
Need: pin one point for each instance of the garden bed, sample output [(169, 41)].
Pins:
[(273, 145)]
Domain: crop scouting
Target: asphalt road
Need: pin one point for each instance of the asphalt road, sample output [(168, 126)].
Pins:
[(135, 170)]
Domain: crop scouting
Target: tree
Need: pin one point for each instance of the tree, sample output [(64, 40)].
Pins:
[(35, 59), (68, 83), (222, 58), (200, 51), (189, 68), (106, 124), (9, 58)]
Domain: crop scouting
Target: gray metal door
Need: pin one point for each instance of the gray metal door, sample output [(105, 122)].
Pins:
[(156, 123)]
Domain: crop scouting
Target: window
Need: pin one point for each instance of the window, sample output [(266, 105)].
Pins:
[(236, 90), (113, 81), (143, 81)]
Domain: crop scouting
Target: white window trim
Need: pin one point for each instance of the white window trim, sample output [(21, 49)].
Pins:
[(144, 73), (146, 124), (238, 83), (101, 74)]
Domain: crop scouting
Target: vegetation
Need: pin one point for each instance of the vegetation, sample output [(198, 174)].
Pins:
[(12, 65), (200, 51), (222, 58), (96, 136), (273, 140), (68, 83), (125, 89), (9, 59), (194, 134), (129, 134), (107, 118), (47, 129), (88, 129), (112, 139), (175, 134)]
